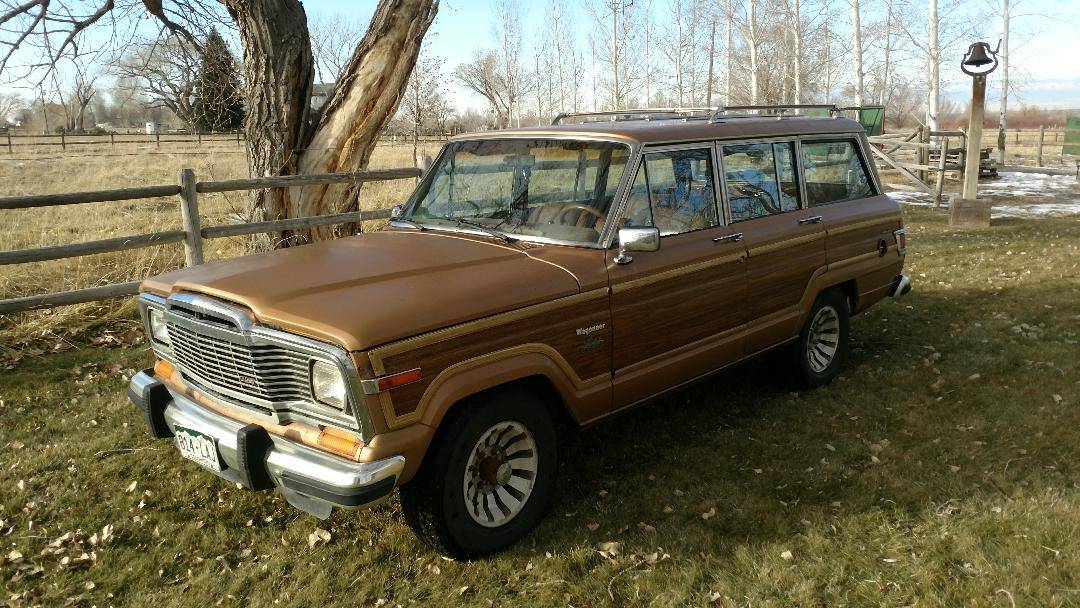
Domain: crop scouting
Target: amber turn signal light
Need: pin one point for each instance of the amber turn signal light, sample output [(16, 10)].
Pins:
[(163, 369), (400, 379), (340, 442)]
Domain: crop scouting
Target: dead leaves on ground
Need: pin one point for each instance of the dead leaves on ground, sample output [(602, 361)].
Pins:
[(68, 551)]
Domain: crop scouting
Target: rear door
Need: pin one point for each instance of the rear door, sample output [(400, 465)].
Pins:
[(678, 311), (859, 219), (785, 241)]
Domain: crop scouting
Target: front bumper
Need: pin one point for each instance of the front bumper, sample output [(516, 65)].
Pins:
[(311, 480)]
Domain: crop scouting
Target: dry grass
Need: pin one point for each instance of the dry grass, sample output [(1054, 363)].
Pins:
[(940, 469), (98, 169)]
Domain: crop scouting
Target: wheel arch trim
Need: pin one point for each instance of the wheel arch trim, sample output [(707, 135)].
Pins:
[(484, 372)]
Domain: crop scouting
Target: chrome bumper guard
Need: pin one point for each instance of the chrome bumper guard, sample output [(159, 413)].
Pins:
[(903, 286), (310, 480)]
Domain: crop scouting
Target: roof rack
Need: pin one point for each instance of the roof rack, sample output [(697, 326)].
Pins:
[(712, 114), (637, 114), (778, 110)]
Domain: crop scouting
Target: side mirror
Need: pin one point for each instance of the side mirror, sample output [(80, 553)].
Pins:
[(636, 239), (396, 212)]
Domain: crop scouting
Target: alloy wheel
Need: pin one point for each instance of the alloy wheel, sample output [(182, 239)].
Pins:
[(500, 474)]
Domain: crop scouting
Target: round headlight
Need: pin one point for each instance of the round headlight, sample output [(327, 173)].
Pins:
[(158, 330), (327, 384)]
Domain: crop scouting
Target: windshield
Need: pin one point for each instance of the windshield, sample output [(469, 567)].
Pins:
[(553, 189)]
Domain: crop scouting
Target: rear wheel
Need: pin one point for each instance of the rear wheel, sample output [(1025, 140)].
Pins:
[(488, 479), (822, 344)]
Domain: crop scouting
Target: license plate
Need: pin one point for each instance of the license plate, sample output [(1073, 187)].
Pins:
[(199, 447)]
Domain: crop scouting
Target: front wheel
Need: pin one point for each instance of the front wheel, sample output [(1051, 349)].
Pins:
[(488, 479), (823, 341)]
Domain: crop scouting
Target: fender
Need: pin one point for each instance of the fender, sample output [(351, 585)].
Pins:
[(870, 277), (584, 399)]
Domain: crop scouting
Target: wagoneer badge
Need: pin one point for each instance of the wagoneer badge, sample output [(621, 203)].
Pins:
[(584, 331)]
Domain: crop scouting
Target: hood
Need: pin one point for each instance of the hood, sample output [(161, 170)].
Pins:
[(368, 290)]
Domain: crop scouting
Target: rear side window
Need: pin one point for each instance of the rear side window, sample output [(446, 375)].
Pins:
[(834, 172), (760, 180)]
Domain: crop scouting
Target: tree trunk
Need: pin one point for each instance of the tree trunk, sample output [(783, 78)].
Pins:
[(828, 57), (753, 42), (729, 54), (282, 137), (364, 99), (1004, 107), (933, 101), (797, 32), (882, 94), (712, 61), (280, 71), (856, 33)]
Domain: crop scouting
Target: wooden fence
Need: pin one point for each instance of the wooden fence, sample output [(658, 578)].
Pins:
[(192, 235), (74, 140)]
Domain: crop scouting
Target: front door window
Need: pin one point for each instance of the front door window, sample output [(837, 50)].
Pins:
[(673, 191)]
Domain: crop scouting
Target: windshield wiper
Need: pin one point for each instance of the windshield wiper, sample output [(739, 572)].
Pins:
[(489, 230), (410, 222)]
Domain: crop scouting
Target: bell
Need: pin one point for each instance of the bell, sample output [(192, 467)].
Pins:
[(976, 55)]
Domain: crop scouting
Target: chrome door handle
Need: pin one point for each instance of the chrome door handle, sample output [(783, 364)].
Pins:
[(734, 236), (814, 219)]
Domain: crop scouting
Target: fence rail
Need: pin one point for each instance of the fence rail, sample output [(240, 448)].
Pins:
[(192, 236)]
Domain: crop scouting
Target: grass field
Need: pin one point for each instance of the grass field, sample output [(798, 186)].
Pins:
[(941, 469)]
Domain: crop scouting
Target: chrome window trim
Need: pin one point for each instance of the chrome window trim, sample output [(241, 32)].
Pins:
[(253, 334)]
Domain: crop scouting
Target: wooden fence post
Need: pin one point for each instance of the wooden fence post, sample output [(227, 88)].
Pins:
[(112, 140), (157, 138), (939, 187), (10, 147), (237, 137), (922, 155), (189, 216), (63, 140), (1039, 146), (198, 136)]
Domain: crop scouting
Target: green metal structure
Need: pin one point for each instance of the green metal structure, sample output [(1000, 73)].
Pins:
[(1072, 136)]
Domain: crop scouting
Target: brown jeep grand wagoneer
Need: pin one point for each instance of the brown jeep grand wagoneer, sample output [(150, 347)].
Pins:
[(535, 277)]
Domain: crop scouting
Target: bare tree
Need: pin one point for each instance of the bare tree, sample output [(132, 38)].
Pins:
[(279, 72), (424, 105), (333, 38), (483, 77), (10, 105), (508, 42), (165, 70), (80, 93)]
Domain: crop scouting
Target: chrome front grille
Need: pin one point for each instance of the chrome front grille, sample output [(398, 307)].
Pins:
[(267, 373), (219, 349)]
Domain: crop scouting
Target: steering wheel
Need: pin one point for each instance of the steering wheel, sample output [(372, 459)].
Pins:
[(600, 216), (763, 196)]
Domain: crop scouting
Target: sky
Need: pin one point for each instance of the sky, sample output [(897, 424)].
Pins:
[(1045, 38), (1045, 62)]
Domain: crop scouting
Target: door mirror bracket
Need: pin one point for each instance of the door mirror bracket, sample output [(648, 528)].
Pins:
[(636, 239)]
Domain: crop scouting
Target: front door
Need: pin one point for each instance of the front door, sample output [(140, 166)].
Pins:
[(785, 242), (677, 312)]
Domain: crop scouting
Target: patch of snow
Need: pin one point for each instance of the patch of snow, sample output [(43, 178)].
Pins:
[(1017, 195)]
